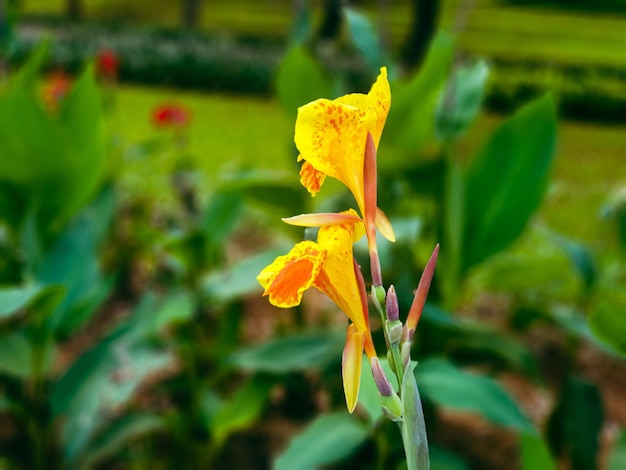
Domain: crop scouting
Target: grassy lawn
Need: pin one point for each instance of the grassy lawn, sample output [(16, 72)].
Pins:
[(230, 132), (492, 28)]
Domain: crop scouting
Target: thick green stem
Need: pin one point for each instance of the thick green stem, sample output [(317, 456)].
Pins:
[(413, 427)]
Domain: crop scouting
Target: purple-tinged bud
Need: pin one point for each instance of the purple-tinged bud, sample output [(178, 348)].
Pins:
[(393, 310), (382, 382)]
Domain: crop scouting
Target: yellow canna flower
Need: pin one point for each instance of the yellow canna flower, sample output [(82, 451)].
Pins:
[(331, 137), (326, 265), (329, 266)]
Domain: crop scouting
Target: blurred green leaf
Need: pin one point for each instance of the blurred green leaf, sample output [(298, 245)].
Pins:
[(117, 435), (365, 38), (444, 384), (410, 124), (535, 453), (617, 459), (242, 409), (221, 216), (16, 353), (300, 79), (460, 101), (233, 282), (507, 179), (72, 260), (607, 320), (328, 439), (575, 425), (274, 190), (43, 152), (14, 299), (102, 381), (580, 257), (292, 353), (441, 459)]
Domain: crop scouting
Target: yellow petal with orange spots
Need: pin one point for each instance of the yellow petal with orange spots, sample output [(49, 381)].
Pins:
[(337, 279), (311, 179), (286, 279), (331, 135), (351, 362)]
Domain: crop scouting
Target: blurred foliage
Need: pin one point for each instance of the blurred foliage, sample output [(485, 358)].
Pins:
[(129, 332)]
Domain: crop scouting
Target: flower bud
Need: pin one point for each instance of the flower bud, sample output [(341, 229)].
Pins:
[(382, 382), (393, 310), (392, 407), (405, 353), (378, 297), (394, 331)]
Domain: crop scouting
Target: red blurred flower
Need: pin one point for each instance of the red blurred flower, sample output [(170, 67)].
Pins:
[(107, 64), (170, 115), (55, 89)]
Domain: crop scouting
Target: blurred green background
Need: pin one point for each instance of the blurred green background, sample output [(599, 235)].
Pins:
[(146, 158)]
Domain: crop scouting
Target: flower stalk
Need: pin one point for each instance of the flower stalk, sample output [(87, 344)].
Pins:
[(339, 139)]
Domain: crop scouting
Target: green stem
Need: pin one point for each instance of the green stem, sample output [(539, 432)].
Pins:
[(413, 427)]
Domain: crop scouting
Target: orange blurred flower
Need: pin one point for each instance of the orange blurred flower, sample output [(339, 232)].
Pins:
[(55, 89)]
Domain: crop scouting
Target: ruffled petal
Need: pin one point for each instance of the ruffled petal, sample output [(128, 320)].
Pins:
[(311, 178), (286, 279), (351, 362)]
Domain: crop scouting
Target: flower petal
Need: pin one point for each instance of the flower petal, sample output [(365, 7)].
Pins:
[(337, 279), (351, 362), (322, 218), (311, 178), (385, 227), (286, 279)]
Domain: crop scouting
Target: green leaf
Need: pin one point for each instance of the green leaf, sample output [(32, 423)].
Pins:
[(277, 191), (441, 459), (617, 459), (221, 216), (43, 152), (364, 36), (233, 282), (444, 384), (535, 453), (507, 179), (242, 410), (300, 79), (292, 353), (14, 299), (607, 320), (413, 427), (16, 353), (580, 257), (460, 101), (102, 381), (575, 425), (328, 439), (118, 434), (410, 124)]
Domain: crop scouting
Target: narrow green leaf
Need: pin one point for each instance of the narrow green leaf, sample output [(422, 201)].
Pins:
[(410, 124), (364, 36), (413, 427), (535, 453), (292, 353), (242, 410), (460, 101), (13, 299), (575, 425), (227, 284), (444, 384), (118, 434), (507, 179), (328, 439)]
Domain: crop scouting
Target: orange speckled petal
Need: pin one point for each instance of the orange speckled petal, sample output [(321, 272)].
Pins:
[(311, 179), (351, 362), (338, 279), (286, 279)]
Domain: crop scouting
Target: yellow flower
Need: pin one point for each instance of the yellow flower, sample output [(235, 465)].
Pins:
[(329, 266), (331, 137)]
